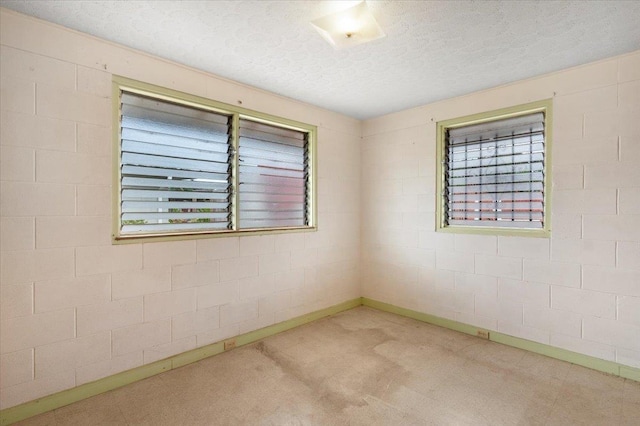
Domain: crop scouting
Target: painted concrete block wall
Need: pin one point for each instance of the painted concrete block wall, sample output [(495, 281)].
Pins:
[(578, 290), (76, 308)]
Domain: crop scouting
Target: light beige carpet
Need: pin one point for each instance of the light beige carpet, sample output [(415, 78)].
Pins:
[(365, 367)]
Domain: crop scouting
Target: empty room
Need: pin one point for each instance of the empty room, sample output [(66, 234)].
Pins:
[(319, 212)]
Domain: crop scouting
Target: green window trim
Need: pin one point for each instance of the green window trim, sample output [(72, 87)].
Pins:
[(442, 128), (236, 115)]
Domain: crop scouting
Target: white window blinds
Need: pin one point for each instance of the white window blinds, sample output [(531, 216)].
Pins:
[(273, 176), (175, 167), (494, 173)]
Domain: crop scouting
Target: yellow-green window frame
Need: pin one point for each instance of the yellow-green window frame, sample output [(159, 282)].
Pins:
[(544, 106), (120, 84)]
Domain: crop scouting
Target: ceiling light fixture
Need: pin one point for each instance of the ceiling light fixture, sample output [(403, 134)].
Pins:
[(349, 27)]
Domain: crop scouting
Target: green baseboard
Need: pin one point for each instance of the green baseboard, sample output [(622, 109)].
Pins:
[(594, 363), (69, 396)]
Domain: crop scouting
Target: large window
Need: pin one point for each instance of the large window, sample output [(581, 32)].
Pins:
[(493, 171), (191, 166)]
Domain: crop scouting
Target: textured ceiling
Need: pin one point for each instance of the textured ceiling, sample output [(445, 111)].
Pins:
[(433, 49)]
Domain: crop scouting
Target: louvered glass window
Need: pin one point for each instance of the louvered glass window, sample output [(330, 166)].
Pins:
[(494, 173), (175, 169), (187, 165), (273, 176)]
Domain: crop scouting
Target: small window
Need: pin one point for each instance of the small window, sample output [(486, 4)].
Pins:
[(190, 166), (494, 171)]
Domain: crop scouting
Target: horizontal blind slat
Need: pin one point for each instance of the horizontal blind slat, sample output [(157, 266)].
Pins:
[(271, 155), (514, 138), (282, 132), (265, 163), (271, 198), (269, 223), (270, 137), (273, 206), (141, 106), (496, 188), (270, 172), (141, 194), (497, 179), (175, 227), (496, 170), (218, 144), (502, 159), (177, 216), (164, 125), (272, 180), (486, 197), (493, 206), (173, 152), (272, 189), (272, 146), (174, 184), (272, 215), (175, 163), (157, 206), (173, 173)]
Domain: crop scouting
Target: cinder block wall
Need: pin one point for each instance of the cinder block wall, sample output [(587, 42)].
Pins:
[(76, 308), (579, 290)]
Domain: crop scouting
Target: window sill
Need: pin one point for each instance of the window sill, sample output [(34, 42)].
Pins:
[(510, 232), (147, 238)]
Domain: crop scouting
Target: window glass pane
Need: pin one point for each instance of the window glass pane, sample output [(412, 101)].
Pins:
[(273, 176), (495, 173), (175, 172)]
